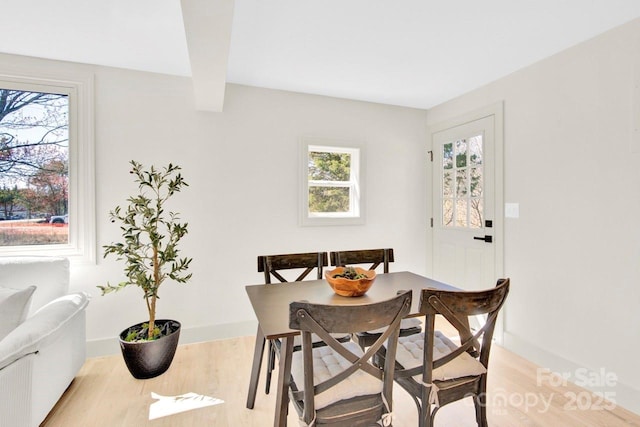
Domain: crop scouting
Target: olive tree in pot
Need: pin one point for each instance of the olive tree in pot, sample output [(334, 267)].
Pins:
[(150, 251)]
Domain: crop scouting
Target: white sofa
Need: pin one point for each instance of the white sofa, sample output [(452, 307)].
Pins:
[(42, 355)]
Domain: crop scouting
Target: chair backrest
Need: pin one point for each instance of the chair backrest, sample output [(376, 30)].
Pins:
[(326, 319), (456, 307), (375, 257), (272, 265)]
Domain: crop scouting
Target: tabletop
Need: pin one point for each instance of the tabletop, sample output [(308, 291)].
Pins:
[(271, 302)]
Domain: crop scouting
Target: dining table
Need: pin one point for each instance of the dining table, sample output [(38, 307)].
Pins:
[(271, 306)]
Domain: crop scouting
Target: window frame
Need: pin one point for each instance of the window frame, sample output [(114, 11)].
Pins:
[(81, 209), (356, 214)]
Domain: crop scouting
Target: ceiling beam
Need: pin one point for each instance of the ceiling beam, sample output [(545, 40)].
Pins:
[(207, 26)]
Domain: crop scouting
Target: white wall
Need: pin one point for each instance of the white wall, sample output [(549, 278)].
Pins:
[(571, 162), (242, 167)]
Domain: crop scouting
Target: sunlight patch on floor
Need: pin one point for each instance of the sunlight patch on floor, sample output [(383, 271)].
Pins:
[(169, 405)]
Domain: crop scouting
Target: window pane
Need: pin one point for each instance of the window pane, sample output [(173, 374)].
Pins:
[(324, 166), (447, 156), (447, 184), (461, 153), (461, 183), (476, 182), (447, 212), (461, 212), (34, 167), (476, 214), (475, 150), (328, 199)]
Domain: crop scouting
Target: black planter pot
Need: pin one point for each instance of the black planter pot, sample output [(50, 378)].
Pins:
[(148, 359)]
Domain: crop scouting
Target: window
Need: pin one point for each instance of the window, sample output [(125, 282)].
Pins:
[(46, 167), (462, 183), (332, 188)]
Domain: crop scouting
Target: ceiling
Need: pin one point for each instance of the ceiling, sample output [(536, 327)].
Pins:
[(414, 53)]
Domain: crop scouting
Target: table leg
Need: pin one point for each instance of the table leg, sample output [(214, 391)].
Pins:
[(284, 379), (258, 352)]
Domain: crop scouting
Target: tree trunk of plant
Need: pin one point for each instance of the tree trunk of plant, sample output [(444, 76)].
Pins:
[(156, 279), (152, 317)]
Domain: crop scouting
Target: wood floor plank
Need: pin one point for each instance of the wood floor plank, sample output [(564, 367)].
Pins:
[(105, 394)]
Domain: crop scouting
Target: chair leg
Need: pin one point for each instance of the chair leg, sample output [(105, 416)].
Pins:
[(480, 402), (425, 415), (270, 366), (417, 402), (432, 417)]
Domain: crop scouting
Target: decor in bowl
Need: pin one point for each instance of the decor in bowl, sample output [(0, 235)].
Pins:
[(350, 281)]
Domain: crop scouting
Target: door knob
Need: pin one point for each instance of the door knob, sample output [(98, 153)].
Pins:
[(486, 238)]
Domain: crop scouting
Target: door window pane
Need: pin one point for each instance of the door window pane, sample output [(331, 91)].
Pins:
[(461, 153), (475, 182), (447, 212), (447, 156), (461, 183), (447, 184), (461, 212), (475, 214), (475, 150)]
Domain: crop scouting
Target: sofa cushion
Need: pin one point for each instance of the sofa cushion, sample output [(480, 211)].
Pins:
[(49, 274), (14, 306), (43, 328)]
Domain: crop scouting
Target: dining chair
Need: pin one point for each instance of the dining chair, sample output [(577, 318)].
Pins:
[(374, 258), (282, 268), (273, 265), (337, 384), (449, 371)]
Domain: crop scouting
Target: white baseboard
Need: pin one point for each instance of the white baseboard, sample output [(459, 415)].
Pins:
[(109, 346), (605, 383)]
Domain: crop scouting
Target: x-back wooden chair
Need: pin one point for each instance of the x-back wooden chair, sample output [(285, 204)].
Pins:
[(273, 265), (373, 258), (448, 372), (337, 384), (283, 267)]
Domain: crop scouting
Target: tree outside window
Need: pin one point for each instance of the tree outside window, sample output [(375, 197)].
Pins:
[(329, 182), (34, 167)]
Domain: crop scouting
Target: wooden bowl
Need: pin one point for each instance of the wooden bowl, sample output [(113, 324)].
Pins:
[(350, 288)]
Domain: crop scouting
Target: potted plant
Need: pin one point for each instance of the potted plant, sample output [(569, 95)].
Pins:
[(150, 251)]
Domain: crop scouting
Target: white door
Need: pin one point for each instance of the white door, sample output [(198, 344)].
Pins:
[(467, 198)]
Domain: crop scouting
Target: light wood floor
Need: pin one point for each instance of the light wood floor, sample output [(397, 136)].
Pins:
[(105, 394)]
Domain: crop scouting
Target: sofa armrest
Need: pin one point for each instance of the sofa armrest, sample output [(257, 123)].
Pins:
[(39, 329)]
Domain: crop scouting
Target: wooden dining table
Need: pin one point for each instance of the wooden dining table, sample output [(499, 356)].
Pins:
[(271, 305)]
